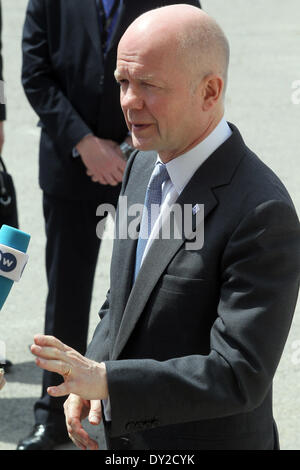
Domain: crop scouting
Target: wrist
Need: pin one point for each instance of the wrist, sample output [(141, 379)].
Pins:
[(126, 149), (81, 144), (103, 380)]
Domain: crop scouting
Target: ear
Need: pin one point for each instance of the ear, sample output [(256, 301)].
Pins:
[(213, 86)]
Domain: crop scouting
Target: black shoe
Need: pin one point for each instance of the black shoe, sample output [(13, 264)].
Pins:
[(6, 366), (43, 437)]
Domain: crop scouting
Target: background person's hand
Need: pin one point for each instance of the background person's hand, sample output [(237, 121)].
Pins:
[(2, 379), (76, 409), (82, 376), (103, 159)]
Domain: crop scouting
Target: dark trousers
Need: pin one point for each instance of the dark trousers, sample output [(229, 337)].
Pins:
[(71, 256)]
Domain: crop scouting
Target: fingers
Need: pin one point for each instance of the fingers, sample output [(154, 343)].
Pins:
[(103, 160), (112, 178), (110, 166), (51, 341), (95, 414), (119, 174), (52, 355), (76, 409), (107, 180), (97, 179), (80, 437), (51, 359), (47, 352), (59, 367), (49, 347)]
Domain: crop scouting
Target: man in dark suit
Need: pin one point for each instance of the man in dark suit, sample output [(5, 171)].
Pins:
[(191, 333), (69, 56), (2, 105)]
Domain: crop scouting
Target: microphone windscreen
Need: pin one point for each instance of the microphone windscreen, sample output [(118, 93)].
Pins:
[(18, 240)]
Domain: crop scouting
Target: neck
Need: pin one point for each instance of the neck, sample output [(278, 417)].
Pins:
[(204, 132)]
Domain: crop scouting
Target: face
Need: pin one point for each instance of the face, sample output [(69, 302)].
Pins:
[(160, 110)]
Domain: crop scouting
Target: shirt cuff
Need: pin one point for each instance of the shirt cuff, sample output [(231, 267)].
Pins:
[(75, 153), (107, 409)]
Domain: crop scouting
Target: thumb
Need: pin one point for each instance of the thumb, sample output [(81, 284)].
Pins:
[(58, 391), (95, 414)]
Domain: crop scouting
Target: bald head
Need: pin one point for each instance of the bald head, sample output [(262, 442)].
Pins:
[(172, 67), (188, 32)]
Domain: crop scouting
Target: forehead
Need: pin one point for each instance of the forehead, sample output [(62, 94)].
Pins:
[(141, 53), (135, 69)]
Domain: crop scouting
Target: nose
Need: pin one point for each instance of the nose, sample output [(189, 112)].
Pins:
[(131, 98)]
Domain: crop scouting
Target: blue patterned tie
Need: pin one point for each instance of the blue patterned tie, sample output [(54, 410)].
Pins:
[(152, 205), (108, 14)]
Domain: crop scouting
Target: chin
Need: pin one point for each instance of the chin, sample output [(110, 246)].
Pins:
[(142, 145)]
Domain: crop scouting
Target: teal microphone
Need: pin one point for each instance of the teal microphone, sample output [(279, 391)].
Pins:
[(13, 258)]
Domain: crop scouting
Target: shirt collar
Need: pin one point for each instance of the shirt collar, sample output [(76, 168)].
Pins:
[(182, 168)]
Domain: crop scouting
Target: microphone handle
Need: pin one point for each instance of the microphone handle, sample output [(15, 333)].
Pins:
[(18, 240)]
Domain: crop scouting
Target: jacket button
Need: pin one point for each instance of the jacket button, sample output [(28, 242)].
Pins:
[(101, 80), (125, 442)]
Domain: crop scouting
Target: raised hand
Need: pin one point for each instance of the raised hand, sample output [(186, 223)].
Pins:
[(81, 375)]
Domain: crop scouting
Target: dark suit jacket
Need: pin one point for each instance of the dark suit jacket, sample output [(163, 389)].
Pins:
[(71, 87), (192, 348)]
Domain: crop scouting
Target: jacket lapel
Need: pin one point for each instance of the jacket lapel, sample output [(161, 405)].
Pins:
[(215, 172), (123, 256)]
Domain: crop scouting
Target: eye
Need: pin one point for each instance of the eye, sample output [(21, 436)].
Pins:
[(147, 85), (122, 82)]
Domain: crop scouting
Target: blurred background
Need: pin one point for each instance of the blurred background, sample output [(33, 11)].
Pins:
[(261, 101)]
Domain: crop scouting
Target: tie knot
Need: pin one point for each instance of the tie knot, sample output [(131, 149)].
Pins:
[(108, 6), (159, 176)]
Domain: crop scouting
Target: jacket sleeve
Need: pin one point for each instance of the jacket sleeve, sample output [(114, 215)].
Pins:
[(260, 281), (98, 349), (61, 121)]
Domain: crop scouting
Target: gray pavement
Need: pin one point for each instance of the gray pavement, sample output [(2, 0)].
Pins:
[(265, 47)]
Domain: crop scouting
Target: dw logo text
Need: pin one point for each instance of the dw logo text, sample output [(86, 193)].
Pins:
[(8, 262)]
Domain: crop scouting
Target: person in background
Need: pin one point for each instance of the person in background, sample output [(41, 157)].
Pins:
[(2, 105), (13, 218), (194, 326), (69, 57)]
